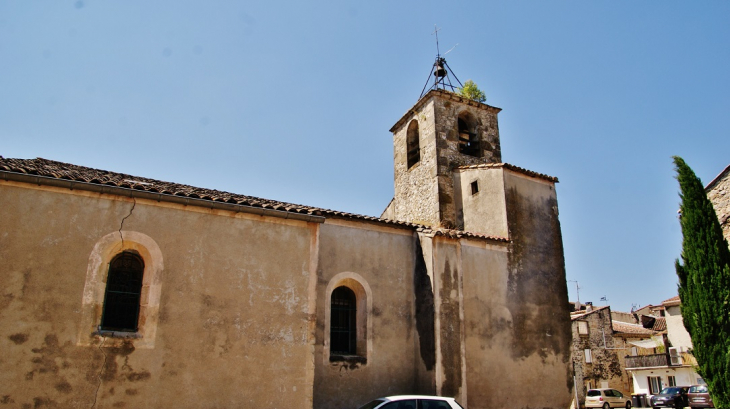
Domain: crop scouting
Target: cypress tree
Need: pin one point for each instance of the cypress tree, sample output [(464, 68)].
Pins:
[(704, 284)]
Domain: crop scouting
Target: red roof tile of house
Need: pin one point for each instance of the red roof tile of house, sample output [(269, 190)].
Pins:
[(660, 324), (630, 329), (671, 302)]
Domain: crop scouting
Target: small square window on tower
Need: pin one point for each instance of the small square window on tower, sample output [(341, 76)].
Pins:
[(474, 187)]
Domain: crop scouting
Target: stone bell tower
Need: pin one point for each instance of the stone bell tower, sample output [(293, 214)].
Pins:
[(441, 132)]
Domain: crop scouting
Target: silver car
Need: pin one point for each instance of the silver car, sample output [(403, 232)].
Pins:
[(607, 398), (412, 402)]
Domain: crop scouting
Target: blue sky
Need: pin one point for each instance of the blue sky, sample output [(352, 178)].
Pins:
[(293, 101)]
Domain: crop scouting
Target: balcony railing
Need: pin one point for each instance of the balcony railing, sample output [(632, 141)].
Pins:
[(647, 361)]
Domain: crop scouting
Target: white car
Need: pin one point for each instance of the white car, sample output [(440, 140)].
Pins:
[(606, 399), (412, 402)]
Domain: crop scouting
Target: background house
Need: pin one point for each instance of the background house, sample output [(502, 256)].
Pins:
[(602, 342), (670, 365)]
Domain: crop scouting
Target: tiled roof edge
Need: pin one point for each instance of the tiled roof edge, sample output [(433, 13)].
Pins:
[(595, 309), (60, 174), (512, 168), (166, 197), (671, 302), (630, 329)]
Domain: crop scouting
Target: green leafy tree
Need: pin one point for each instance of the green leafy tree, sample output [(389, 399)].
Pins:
[(704, 284), (471, 91)]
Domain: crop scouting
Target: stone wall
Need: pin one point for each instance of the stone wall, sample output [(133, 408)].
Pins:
[(606, 365), (424, 193), (719, 194), (416, 193)]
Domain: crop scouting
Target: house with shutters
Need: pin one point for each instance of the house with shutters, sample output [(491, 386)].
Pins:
[(672, 363)]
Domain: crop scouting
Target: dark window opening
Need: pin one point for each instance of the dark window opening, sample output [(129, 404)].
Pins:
[(343, 322), (468, 140), (474, 187), (655, 384), (412, 144), (123, 292)]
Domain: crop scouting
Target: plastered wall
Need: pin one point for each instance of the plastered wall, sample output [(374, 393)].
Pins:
[(235, 308), (381, 260), (232, 327)]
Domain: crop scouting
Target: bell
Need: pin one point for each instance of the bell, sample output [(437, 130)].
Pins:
[(440, 71)]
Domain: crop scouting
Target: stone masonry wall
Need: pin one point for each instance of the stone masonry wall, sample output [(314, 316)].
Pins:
[(416, 192), (447, 111), (719, 195), (607, 363), (425, 192)]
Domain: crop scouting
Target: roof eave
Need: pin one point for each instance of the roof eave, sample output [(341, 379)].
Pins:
[(160, 197)]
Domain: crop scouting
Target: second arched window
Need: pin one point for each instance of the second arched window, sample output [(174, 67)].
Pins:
[(343, 322), (123, 291)]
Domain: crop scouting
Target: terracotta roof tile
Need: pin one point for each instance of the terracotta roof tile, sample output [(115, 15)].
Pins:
[(660, 324), (45, 168), (670, 302), (630, 329)]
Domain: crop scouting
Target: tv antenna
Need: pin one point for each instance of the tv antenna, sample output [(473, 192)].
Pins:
[(577, 289), (440, 70)]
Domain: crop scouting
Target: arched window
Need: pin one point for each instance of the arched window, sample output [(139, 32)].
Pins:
[(343, 322), (468, 138), (123, 291), (413, 144)]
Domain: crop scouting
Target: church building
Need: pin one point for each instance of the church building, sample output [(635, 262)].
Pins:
[(120, 291)]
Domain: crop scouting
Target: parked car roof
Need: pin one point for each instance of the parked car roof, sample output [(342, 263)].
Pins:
[(396, 398), (405, 397)]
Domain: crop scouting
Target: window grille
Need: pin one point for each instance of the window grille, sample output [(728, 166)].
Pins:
[(123, 291), (343, 322)]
